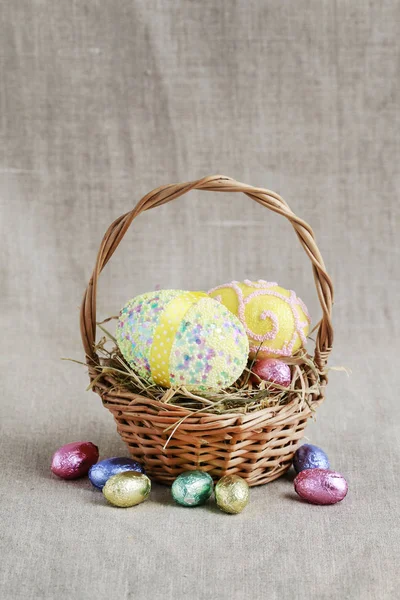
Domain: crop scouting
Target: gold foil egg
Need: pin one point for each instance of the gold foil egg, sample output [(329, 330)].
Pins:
[(127, 489), (232, 494)]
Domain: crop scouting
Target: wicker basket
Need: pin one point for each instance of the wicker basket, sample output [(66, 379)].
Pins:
[(258, 446)]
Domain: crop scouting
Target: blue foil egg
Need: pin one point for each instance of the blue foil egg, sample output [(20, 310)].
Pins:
[(309, 457), (103, 470)]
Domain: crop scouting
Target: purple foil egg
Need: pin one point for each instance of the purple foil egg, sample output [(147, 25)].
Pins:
[(310, 457), (273, 370), (101, 472), (74, 460), (320, 486)]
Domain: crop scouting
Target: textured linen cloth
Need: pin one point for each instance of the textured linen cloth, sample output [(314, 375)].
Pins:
[(102, 101)]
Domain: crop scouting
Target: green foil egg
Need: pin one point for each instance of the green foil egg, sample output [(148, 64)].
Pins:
[(127, 489), (232, 494), (192, 488)]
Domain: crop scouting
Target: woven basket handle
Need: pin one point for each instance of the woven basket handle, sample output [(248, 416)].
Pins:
[(217, 183)]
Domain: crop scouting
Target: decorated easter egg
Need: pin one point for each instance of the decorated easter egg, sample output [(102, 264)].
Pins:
[(103, 470), (310, 457), (127, 489), (232, 494), (276, 320), (320, 486), (74, 460), (273, 370), (176, 338), (192, 488)]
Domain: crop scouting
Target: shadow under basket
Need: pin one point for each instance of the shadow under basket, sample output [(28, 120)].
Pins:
[(169, 439)]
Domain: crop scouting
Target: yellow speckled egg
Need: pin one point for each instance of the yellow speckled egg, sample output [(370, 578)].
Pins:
[(176, 338), (127, 489), (275, 319)]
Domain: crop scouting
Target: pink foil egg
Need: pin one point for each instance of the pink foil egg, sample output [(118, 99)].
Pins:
[(320, 486), (272, 369), (74, 460)]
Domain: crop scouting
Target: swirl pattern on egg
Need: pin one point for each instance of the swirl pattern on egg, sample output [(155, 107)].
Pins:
[(276, 320)]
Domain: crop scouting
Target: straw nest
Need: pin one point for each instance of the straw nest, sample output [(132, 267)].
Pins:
[(248, 394)]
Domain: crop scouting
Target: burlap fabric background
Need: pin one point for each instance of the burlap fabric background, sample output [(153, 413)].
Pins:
[(102, 101)]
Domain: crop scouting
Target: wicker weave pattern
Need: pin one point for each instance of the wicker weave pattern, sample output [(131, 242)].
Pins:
[(258, 446)]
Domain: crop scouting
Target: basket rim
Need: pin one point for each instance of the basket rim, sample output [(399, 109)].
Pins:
[(110, 401)]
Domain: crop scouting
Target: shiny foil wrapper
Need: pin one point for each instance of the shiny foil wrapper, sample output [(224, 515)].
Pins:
[(232, 494), (321, 486), (192, 488), (273, 370), (74, 460), (309, 456), (101, 472), (127, 489)]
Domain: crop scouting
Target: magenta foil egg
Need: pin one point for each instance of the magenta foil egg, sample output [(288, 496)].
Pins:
[(74, 460), (273, 370), (320, 486)]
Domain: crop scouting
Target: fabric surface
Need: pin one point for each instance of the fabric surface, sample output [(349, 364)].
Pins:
[(100, 102)]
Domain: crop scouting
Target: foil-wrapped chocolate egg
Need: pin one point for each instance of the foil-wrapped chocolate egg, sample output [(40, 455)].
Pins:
[(310, 457), (273, 370), (103, 470), (320, 486), (192, 488), (127, 489), (74, 460), (232, 494)]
